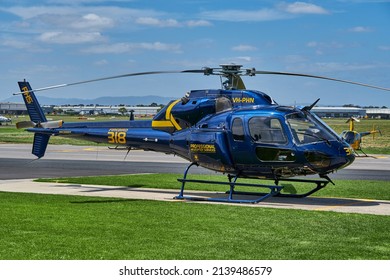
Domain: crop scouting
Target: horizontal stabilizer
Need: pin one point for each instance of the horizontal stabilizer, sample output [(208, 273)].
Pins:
[(51, 124)]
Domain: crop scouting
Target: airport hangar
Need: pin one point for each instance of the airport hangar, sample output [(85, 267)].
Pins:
[(347, 112)]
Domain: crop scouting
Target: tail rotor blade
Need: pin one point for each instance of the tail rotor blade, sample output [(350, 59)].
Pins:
[(25, 124), (29, 124)]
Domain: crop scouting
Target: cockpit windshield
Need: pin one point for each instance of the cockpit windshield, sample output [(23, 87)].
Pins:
[(307, 129)]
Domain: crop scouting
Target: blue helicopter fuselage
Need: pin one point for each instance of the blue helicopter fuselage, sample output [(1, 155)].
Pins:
[(256, 141), (241, 132)]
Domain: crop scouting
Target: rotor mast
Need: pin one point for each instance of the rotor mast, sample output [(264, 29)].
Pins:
[(232, 73)]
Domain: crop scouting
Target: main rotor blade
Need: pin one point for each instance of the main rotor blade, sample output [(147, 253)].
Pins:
[(319, 77), (114, 77)]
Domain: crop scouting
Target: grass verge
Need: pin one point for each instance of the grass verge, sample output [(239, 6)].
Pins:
[(35, 226)]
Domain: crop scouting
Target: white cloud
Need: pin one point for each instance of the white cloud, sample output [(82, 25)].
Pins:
[(17, 44), (244, 48), (312, 44), (78, 17), (156, 22), (92, 21), (242, 15), (360, 29), (303, 8), (101, 62), (157, 46), (36, 11), (325, 45), (293, 59), (120, 48), (280, 11), (150, 21), (197, 23), (244, 58), (339, 66), (328, 67), (77, 2), (70, 38)]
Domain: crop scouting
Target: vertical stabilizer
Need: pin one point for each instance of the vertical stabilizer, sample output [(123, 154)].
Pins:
[(40, 144), (33, 108)]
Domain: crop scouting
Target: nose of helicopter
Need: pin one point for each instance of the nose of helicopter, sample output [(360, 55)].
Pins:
[(345, 158), (337, 157), (349, 155)]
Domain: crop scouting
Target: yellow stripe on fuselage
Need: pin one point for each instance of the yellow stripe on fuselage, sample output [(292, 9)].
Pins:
[(162, 124), (169, 109), (170, 117)]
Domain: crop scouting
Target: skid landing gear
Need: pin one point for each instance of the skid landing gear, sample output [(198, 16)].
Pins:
[(319, 184), (274, 190)]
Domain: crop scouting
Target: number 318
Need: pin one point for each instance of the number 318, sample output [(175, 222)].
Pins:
[(116, 137)]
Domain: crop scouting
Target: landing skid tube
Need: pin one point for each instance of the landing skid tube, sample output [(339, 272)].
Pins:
[(320, 184), (274, 190)]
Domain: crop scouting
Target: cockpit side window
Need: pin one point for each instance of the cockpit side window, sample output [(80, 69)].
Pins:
[(266, 130), (238, 129)]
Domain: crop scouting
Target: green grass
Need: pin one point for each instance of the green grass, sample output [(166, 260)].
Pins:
[(37, 226), (342, 188)]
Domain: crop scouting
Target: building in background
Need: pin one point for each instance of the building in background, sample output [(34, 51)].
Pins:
[(9, 108), (20, 109), (339, 112)]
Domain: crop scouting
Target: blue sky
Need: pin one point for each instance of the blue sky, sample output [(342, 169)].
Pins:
[(52, 42)]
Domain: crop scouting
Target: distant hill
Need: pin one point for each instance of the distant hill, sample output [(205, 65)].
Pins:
[(108, 100)]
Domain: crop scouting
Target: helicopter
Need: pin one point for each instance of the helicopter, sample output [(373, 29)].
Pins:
[(5, 120), (232, 130), (354, 138)]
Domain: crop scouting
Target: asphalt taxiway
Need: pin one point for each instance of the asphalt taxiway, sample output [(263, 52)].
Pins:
[(18, 167)]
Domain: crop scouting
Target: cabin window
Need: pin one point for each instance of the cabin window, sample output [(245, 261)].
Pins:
[(266, 130), (238, 129), (223, 104)]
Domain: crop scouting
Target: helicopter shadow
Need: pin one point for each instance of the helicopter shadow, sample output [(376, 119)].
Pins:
[(133, 188), (288, 201), (137, 193), (325, 201), (344, 205)]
